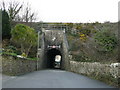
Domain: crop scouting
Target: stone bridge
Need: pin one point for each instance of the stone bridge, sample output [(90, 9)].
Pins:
[(52, 43)]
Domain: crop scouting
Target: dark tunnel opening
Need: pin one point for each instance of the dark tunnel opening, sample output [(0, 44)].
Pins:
[(50, 57)]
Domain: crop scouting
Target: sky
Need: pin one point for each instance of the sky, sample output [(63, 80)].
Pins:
[(75, 10)]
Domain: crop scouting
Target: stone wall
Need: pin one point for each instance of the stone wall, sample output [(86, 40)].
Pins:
[(104, 72), (17, 66)]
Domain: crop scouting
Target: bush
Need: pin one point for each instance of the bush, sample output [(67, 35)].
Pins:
[(106, 40), (83, 37), (86, 29), (81, 57), (24, 55), (10, 49), (25, 36)]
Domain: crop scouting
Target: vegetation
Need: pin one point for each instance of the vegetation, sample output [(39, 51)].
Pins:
[(18, 12), (106, 40), (86, 30), (0, 27), (11, 54), (13, 51), (25, 36), (6, 27), (94, 42), (15, 55)]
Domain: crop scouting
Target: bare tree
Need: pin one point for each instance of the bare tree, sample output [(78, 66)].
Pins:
[(18, 18), (3, 5), (33, 17), (19, 11), (29, 15), (14, 9)]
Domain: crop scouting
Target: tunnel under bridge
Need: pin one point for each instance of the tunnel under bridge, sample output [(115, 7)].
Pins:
[(53, 42)]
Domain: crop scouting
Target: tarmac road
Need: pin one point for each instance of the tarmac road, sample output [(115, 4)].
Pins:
[(51, 79)]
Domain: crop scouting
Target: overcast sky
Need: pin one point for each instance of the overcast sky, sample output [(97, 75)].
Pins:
[(75, 10)]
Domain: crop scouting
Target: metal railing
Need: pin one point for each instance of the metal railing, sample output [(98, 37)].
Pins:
[(54, 26)]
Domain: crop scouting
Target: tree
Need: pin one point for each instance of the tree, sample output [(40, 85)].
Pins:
[(28, 15), (25, 36), (15, 13), (6, 28), (0, 26), (14, 9), (2, 6)]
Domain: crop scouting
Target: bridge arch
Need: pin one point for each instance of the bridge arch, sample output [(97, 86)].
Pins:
[(50, 57)]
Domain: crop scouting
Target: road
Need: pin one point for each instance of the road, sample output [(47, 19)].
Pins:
[(51, 79)]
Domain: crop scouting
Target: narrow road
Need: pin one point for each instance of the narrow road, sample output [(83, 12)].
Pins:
[(51, 79)]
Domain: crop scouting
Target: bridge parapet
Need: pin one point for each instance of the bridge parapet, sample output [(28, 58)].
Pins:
[(51, 26)]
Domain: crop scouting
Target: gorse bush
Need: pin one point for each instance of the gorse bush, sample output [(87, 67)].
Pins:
[(24, 55), (106, 40), (84, 29), (83, 37)]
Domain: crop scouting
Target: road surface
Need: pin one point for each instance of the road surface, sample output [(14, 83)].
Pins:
[(51, 79)]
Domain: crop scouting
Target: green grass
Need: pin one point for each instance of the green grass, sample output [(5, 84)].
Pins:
[(14, 54), (7, 53)]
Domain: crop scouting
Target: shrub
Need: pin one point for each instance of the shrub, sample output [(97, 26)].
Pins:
[(82, 58), (84, 29), (106, 40), (24, 55), (10, 49), (25, 36), (83, 37)]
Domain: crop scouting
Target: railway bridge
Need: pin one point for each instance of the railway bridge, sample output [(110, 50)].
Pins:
[(52, 42)]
